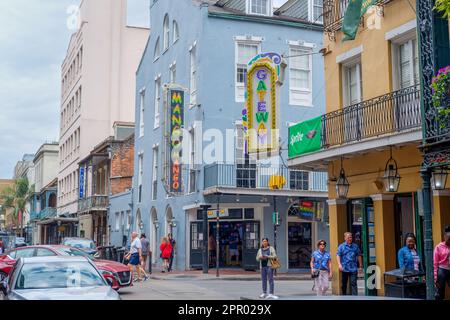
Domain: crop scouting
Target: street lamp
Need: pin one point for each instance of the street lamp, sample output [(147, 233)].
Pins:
[(439, 178), (141, 225), (342, 184), (391, 177)]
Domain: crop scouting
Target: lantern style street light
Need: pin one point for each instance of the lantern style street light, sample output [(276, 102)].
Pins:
[(342, 184), (439, 178), (391, 177)]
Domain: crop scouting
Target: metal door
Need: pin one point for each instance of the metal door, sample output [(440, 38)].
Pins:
[(251, 245), (197, 245)]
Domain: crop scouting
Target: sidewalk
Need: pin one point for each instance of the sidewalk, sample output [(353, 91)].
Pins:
[(224, 274)]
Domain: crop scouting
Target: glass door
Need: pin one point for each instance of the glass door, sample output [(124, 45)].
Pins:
[(299, 244), (197, 245), (251, 245)]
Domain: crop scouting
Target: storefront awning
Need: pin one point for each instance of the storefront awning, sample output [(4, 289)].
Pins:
[(53, 220)]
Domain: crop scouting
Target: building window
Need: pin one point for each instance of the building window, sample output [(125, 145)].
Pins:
[(317, 11), (166, 30), (299, 180), (192, 172), (128, 219), (245, 169), (173, 72), (141, 117), (157, 101), (245, 51), (408, 64), (193, 77), (155, 174), (176, 31), (140, 176), (117, 221), (300, 76), (352, 83), (260, 7), (157, 51)]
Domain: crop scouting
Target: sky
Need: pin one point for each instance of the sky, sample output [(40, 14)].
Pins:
[(34, 36)]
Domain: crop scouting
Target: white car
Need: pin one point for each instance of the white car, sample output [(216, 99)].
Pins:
[(56, 278)]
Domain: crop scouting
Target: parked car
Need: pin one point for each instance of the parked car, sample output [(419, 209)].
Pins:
[(20, 242), (87, 245), (56, 278), (119, 272)]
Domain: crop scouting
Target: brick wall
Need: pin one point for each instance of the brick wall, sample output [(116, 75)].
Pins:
[(122, 165)]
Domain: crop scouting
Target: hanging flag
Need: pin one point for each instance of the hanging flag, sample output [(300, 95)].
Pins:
[(355, 10)]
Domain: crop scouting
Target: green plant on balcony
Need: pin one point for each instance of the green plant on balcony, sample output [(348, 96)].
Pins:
[(444, 7), (440, 93)]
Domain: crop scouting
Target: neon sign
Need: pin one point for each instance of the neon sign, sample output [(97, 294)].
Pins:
[(176, 138)]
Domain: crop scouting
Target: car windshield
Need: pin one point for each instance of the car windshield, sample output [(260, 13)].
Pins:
[(73, 252), (49, 275), (80, 243)]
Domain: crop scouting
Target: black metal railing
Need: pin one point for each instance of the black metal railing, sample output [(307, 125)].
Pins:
[(334, 11), (393, 112), (93, 203)]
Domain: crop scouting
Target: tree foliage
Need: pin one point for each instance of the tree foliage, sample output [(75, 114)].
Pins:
[(444, 7)]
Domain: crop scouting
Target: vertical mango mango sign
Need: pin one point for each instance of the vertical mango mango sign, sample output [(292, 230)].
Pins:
[(260, 113), (176, 138)]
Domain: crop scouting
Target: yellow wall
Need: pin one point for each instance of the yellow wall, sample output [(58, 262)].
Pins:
[(362, 171), (375, 58)]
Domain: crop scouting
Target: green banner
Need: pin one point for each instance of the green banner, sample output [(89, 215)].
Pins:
[(305, 137), (355, 10)]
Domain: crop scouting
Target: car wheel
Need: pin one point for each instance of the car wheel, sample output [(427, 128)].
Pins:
[(3, 276)]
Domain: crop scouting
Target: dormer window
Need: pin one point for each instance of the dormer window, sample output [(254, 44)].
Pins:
[(259, 7)]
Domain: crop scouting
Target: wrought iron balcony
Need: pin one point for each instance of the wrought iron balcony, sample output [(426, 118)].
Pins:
[(93, 203), (390, 113), (251, 176), (47, 213), (334, 11), (34, 216)]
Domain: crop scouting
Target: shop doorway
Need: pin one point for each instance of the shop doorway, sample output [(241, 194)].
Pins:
[(299, 244), (231, 237)]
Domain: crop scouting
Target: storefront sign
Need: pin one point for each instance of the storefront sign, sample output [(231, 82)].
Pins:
[(260, 115), (176, 138), (305, 137), (213, 214), (81, 183)]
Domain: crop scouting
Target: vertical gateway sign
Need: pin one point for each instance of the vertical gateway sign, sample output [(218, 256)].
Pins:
[(260, 116), (176, 117), (81, 184)]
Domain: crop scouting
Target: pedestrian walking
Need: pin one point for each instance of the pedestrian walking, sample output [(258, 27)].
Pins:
[(348, 256), (408, 256), (145, 250), (166, 250), (135, 256), (321, 268), (265, 257), (173, 252), (442, 265)]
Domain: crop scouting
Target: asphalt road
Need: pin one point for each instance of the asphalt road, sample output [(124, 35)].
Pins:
[(199, 289)]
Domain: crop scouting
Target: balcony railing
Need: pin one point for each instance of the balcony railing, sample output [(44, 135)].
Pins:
[(393, 112), (334, 11), (47, 213), (93, 203), (257, 177)]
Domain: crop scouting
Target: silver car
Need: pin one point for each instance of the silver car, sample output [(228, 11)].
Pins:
[(56, 278)]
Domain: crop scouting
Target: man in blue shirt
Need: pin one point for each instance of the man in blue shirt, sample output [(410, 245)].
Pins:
[(348, 256)]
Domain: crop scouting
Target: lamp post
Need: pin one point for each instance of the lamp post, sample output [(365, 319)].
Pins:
[(276, 182), (205, 237)]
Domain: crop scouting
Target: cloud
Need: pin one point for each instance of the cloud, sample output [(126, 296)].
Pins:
[(33, 39)]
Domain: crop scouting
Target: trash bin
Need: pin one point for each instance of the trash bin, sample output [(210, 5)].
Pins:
[(406, 284)]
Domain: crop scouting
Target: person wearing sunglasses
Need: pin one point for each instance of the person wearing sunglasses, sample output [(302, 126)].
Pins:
[(321, 268)]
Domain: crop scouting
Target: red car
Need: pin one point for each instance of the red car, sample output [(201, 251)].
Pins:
[(118, 272)]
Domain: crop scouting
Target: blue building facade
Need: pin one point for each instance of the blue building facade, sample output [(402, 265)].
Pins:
[(203, 47)]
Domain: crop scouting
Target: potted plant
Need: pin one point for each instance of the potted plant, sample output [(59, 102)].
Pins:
[(441, 93)]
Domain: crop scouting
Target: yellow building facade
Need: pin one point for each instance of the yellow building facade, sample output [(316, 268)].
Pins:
[(373, 113)]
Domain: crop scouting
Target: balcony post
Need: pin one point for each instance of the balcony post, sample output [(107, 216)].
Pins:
[(205, 238)]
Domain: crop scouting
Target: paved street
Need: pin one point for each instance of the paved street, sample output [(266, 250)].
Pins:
[(192, 288)]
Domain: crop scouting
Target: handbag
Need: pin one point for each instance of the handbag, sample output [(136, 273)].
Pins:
[(275, 263), (315, 274)]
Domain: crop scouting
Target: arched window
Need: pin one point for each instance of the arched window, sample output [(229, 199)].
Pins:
[(166, 32), (157, 50), (176, 32)]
